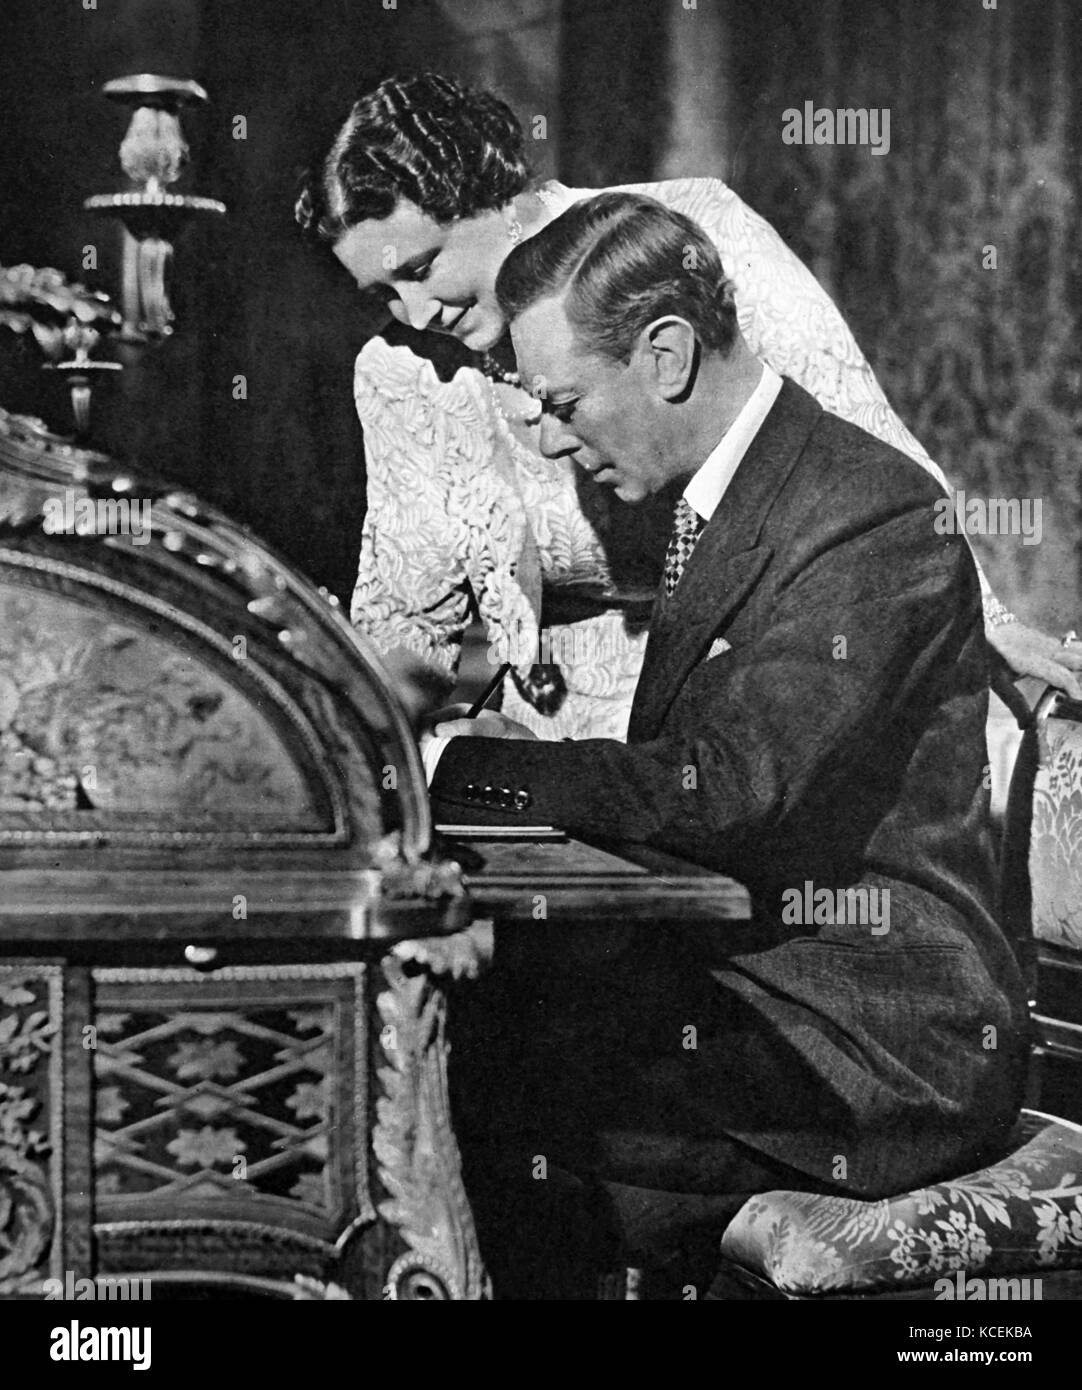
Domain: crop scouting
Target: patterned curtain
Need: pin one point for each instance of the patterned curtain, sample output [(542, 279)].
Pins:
[(983, 363)]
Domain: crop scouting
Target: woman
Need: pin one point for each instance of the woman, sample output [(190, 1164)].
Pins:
[(422, 195)]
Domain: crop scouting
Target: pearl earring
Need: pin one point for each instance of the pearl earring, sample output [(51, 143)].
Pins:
[(514, 230)]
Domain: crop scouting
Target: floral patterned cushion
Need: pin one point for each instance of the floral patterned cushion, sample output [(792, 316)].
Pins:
[(1021, 1214), (1055, 856)]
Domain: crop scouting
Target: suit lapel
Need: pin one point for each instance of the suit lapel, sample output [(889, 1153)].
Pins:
[(726, 563)]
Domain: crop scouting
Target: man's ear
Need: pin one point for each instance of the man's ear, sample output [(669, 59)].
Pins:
[(671, 345)]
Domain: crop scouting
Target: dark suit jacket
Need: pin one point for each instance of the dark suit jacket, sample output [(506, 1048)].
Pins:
[(840, 742)]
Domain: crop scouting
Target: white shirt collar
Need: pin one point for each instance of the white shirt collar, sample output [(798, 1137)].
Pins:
[(709, 485)]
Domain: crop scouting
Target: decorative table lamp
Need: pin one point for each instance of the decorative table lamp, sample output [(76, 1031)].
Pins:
[(153, 154)]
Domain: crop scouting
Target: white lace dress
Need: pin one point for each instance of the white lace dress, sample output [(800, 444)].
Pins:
[(460, 499)]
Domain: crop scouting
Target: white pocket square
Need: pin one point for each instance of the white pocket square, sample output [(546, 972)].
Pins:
[(718, 646)]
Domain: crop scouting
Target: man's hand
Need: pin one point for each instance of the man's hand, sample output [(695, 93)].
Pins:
[(488, 724)]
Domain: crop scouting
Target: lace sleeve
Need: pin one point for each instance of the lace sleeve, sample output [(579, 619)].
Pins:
[(412, 589), (790, 321)]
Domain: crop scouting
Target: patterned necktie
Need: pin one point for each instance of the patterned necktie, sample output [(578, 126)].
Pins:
[(687, 524)]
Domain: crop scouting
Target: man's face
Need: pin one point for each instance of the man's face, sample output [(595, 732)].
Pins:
[(600, 413)]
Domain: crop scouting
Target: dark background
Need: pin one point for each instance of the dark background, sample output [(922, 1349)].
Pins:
[(984, 366)]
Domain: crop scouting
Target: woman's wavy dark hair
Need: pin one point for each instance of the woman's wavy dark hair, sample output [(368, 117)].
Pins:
[(622, 260), (452, 150)]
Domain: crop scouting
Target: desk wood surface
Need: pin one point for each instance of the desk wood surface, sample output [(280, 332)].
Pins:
[(594, 883), (611, 883)]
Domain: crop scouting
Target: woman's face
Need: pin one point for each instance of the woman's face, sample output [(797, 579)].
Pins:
[(434, 276)]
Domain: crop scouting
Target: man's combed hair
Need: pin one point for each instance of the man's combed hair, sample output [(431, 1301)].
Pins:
[(622, 260), (452, 150)]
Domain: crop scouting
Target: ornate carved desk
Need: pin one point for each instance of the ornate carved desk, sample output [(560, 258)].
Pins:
[(214, 1073)]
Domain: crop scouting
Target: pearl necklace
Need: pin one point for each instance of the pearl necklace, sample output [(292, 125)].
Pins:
[(513, 416), (492, 369)]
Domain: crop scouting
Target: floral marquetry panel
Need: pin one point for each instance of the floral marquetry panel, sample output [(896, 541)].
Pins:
[(100, 714), (230, 1111)]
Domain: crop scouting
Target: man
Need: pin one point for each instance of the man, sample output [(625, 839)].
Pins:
[(810, 716)]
